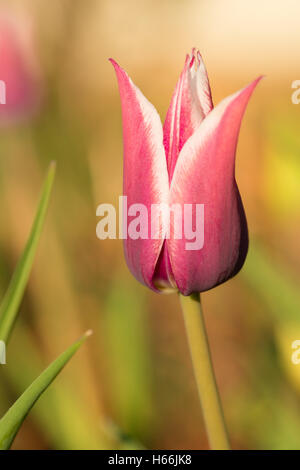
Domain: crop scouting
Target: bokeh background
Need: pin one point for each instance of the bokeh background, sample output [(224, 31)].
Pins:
[(132, 382)]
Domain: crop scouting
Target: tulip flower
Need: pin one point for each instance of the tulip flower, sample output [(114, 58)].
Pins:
[(189, 160), (19, 71)]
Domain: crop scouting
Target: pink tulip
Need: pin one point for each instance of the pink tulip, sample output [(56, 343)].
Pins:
[(19, 72), (189, 160)]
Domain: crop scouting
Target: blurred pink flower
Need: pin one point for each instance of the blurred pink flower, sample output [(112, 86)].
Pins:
[(19, 71), (189, 160)]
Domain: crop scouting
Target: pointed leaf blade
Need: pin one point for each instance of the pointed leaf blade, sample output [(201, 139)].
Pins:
[(14, 417), (14, 294)]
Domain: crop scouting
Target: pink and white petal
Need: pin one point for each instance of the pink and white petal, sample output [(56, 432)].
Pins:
[(191, 102), (199, 84), (205, 174), (145, 173)]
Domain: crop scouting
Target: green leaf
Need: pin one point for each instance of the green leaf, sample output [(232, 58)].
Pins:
[(14, 294), (63, 416), (12, 420)]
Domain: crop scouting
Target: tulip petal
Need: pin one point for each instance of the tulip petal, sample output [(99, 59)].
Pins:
[(204, 174), (190, 103), (145, 173)]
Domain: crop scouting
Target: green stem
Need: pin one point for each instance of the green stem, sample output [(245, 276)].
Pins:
[(204, 373)]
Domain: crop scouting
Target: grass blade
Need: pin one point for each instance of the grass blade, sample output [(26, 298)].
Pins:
[(12, 420), (14, 294)]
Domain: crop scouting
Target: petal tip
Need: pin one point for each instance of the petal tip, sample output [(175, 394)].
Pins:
[(113, 62)]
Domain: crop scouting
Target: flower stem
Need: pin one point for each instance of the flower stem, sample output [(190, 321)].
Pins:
[(204, 373)]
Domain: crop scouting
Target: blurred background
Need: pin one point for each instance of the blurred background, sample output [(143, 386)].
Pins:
[(132, 383)]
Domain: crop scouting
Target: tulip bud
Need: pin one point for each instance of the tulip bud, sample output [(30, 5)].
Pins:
[(188, 161)]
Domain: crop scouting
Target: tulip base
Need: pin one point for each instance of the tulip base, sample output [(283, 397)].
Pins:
[(204, 373)]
